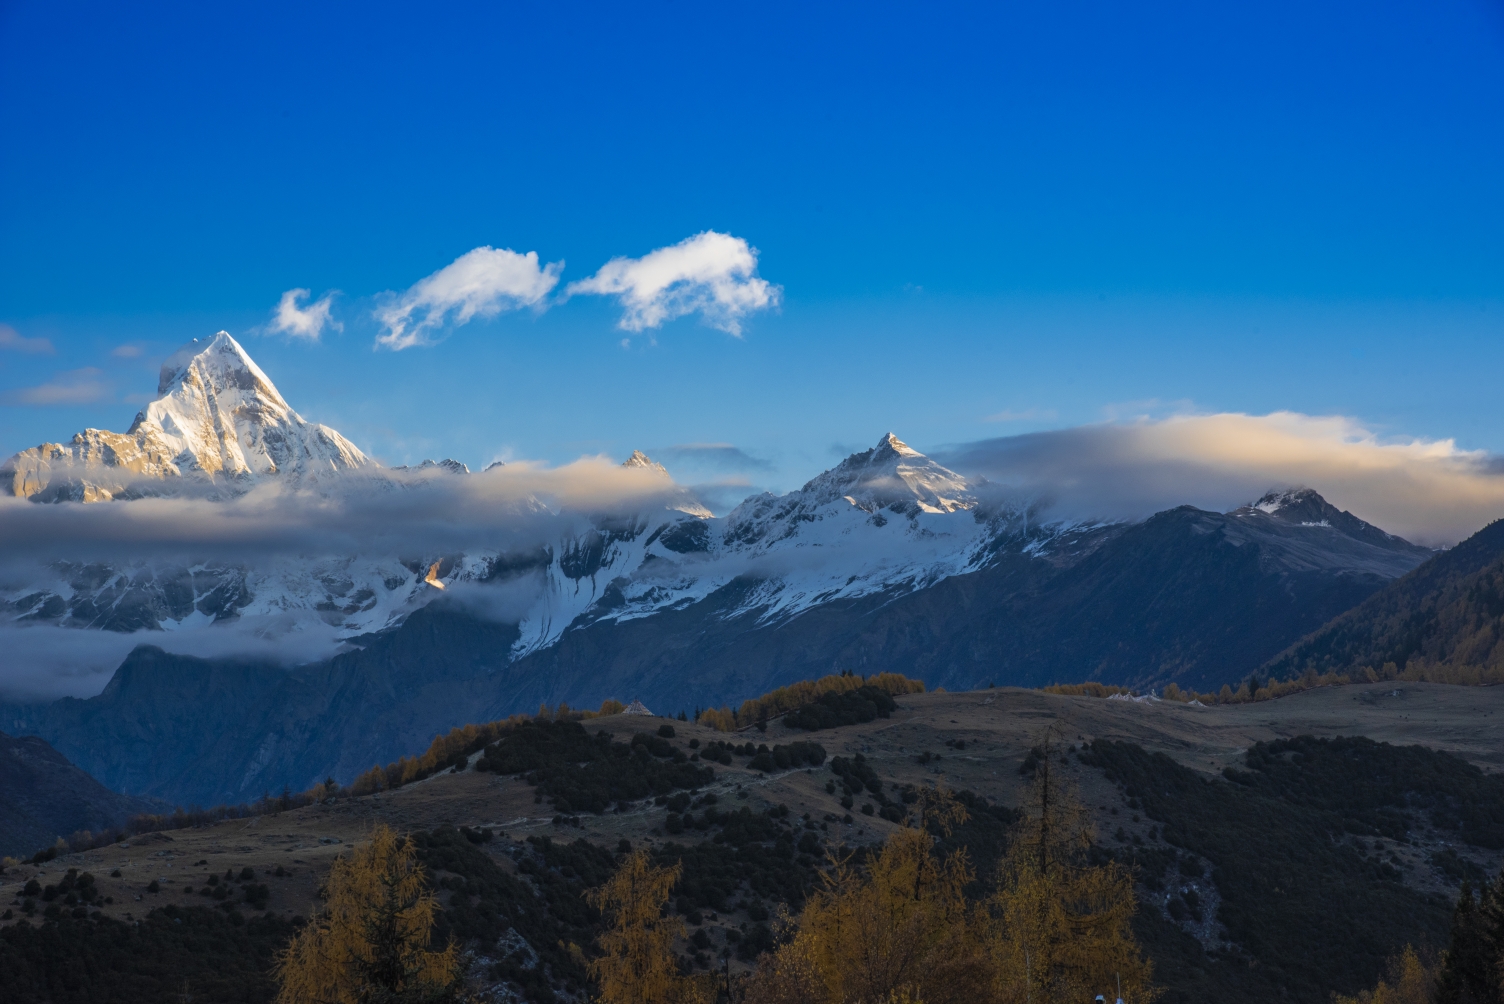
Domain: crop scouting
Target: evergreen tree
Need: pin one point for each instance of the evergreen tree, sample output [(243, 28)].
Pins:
[(1470, 971)]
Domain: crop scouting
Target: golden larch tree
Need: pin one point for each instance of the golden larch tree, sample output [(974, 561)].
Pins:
[(369, 944), (898, 929), (637, 964), (1410, 981), (1063, 924)]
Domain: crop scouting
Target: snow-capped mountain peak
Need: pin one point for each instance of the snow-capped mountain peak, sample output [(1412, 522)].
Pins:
[(641, 461), (892, 473), (221, 362), (217, 420), (1280, 498), (1304, 507)]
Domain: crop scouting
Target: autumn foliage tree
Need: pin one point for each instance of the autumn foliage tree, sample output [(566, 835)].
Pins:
[(897, 929), (370, 942), (1410, 981), (900, 929), (1063, 929), (637, 964)]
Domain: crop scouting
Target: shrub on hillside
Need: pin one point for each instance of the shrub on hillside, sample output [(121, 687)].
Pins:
[(759, 711), (584, 773), (852, 707), (796, 754), (856, 775)]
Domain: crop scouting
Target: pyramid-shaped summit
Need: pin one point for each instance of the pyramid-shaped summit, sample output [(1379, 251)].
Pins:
[(641, 461), (217, 420), (892, 472)]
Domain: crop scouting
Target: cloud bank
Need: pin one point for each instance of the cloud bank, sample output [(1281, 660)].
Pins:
[(303, 322), (1428, 491), (480, 283), (44, 662), (711, 274), (387, 512), (424, 515)]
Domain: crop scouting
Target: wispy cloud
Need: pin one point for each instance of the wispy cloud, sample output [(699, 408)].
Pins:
[(304, 322), (479, 283), (358, 514), (10, 339), (127, 351), (1429, 491), (710, 274), (83, 386)]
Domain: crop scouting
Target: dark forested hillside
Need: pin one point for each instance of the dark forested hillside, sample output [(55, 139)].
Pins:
[(1446, 616)]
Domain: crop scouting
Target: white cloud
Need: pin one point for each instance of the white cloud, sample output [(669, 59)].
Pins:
[(1428, 491), (479, 283), (11, 339), (304, 322), (712, 274)]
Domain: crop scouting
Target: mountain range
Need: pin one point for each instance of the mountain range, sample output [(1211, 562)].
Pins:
[(888, 561)]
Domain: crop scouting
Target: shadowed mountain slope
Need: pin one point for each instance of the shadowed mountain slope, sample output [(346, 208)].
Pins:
[(202, 731), (43, 797), (1447, 613)]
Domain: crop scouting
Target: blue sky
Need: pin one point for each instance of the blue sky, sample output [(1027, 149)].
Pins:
[(984, 220)]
